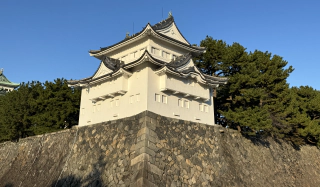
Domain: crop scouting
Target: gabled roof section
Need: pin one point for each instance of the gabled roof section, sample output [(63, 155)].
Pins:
[(107, 65), (94, 80), (102, 70), (5, 82), (162, 30), (183, 66), (146, 56), (168, 28), (163, 24)]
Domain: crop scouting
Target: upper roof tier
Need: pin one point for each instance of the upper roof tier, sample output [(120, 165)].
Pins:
[(165, 31), (162, 45), (183, 66), (5, 82)]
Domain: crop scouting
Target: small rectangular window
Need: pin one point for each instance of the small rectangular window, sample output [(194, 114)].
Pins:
[(180, 103), (165, 54), (206, 108), (155, 51), (131, 99), (93, 108), (117, 102), (138, 97), (186, 103), (157, 98), (164, 99), (174, 57), (82, 111), (142, 51), (124, 58), (111, 103), (201, 107), (98, 107)]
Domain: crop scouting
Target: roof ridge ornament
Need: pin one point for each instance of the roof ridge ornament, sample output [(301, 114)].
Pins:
[(1, 71), (127, 35), (170, 14)]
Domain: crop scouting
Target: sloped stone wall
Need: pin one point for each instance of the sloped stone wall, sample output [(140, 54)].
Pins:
[(151, 150)]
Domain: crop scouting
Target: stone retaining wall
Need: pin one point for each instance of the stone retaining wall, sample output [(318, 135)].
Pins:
[(151, 150)]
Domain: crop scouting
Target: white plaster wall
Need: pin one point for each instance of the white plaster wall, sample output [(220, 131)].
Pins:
[(133, 51), (162, 46), (6, 88), (102, 71), (172, 109), (131, 103), (142, 87), (184, 86), (127, 51)]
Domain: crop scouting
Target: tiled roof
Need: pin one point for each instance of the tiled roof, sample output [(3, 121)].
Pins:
[(180, 61), (5, 81), (164, 23), (115, 65), (112, 63), (161, 25)]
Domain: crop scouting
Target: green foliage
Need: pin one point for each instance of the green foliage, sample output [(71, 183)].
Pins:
[(304, 111), (36, 108), (257, 97)]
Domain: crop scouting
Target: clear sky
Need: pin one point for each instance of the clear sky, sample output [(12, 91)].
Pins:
[(48, 39)]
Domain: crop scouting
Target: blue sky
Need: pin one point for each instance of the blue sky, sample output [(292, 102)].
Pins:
[(44, 40)]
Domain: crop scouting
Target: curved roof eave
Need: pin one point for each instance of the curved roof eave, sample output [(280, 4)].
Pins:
[(191, 74), (9, 84), (90, 80), (144, 57), (147, 30), (133, 38)]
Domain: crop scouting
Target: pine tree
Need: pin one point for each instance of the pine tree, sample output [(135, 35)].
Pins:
[(255, 90), (36, 108)]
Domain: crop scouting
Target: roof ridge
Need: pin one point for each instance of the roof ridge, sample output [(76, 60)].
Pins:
[(164, 23)]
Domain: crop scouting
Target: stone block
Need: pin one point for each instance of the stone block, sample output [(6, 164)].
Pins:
[(140, 144), (150, 124), (154, 169), (140, 158), (148, 137), (143, 183), (152, 133), (144, 130), (147, 150)]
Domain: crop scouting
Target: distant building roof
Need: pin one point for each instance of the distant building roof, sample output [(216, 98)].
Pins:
[(5, 82)]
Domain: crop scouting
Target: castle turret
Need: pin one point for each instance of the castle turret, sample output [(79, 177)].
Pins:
[(152, 71), (5, 84)]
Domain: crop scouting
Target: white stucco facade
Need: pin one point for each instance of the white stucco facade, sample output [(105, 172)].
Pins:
[(151, 70)]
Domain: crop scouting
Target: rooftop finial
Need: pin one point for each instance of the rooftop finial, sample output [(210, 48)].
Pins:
[(127, 35), (170, 14), (1, 70)]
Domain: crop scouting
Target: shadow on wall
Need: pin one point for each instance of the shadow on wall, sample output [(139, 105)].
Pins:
[(67, 181), (72, 181), (93, 179)]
